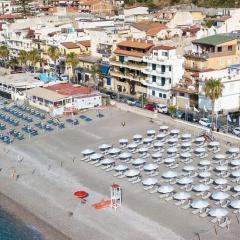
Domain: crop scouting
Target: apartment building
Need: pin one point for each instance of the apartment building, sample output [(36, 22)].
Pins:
[(127, 67), (164, 69)]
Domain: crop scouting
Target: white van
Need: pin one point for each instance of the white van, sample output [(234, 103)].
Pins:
[(161, 108)]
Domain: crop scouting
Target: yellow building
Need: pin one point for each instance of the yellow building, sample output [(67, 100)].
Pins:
[(68, 47), (198, 15)]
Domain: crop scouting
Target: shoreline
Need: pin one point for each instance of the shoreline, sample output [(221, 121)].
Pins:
[(24, 215)]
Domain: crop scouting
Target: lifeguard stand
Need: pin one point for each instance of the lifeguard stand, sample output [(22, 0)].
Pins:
[(116, 196)]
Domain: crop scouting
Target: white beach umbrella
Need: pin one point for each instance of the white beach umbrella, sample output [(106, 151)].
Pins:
[(199, 204), (186, 145), (125, 155), (205, 163), (151, 132), (181, 195), (165, 189), (218, 212), (169, 174), (142, 150), (185, 180), (200, 150), (107, 161), (169, 160), (96, 156), (172, 150), (123, 141), (235, 162), (186, 136), (87, 152), (219, 195), (137, 137), (236, 188), (221, 181), (219, 157), (214, 144), (174, 132), (138, 161), (150, 167), (185, 155), (236, 173), (200, 187), (235, 204), (172, 140), (163, 128), (221, 168), (149, 181), (114, 151), (158, 144), (105, 146), (161, 136), (199, 139), (147, 140), (233, 150), (188, 168), (132, 146), (121, 168), (204, 174), (132, 173), (156, 155)]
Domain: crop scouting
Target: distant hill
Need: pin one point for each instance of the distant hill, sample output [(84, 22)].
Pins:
[(200, 3)]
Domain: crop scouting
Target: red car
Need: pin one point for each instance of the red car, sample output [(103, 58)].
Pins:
[(150, 107)]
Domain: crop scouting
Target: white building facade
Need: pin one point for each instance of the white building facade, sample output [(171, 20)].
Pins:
[(230, 99), (164, 70)]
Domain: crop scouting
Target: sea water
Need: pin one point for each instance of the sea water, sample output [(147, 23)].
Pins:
[(11, 229)]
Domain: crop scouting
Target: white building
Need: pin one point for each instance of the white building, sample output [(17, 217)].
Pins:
[(164, 70), (230, 78)]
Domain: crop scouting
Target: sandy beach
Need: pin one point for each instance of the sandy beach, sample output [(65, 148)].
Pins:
[(48, 176)]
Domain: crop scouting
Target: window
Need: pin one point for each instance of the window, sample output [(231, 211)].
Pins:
[(170, 80), (230, 48), (164, 96), (154, 66), (165, 54), (181, 94), (163, 68), (160, 95), (153, 93), (219, 49), (163, 80), (170, 68), (154, 78)]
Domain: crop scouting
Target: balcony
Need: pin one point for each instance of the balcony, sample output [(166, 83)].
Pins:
[(194, 68), (129, 65), (157, 72), (129, 76), (196, 55), (186, 88), (165, 87)]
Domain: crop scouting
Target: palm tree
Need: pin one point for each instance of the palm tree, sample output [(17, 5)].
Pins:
[(71, 61), (94, 72), (213, 90), (4, 53), (22, 58), (13, 63), (54, 53), (34, 57)]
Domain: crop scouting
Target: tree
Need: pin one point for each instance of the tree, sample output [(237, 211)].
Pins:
[(94, 70), (71, 62), (13, 63), (171, 110), (54, 53), (24, 6), (4, 53), (213, 90), (34, 57), (22, 58)]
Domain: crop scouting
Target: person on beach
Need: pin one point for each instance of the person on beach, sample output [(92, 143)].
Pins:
[(123, 124), (49, 167), (33, 171), (61, 163), (73, 159)]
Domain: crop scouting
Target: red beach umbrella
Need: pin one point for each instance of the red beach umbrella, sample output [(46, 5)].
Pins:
[(80, 194)]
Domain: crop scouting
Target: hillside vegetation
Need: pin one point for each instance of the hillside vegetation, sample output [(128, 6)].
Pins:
[(200, 3)]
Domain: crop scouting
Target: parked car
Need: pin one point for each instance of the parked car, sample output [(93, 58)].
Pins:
[(206, 122), (150, 107), (131, 102), (236, 131), (162, 108), (190, 117), (138, 104)]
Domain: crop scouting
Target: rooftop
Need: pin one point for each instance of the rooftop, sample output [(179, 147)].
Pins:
[(135, 44), (129, 53), (150, 27), (163, 47), (85, 43), (70, 45), (69, 89), (215, 39)]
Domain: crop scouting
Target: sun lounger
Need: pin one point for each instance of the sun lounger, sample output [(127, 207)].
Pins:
[(236, 194), (121, 176), (178, 203), (117, 174), (169, 198), (225, 223), (214, 220), (196, 211), (136, 180), (153, 190), (153, 174), (146, 188), (187, 206), (226, 188), (205, 213), (206, 195), (110, 168)]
